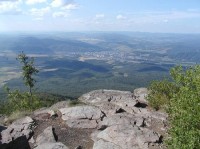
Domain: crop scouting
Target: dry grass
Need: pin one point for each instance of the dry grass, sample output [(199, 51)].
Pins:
[(16, 115)]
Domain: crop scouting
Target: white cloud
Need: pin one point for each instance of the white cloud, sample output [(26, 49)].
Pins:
[(57, 3), (120, 17), (32, 2), (70, 7), (64, 4), (39, 12), (100, 16), (10, 7), (60, 14), (38, 19)]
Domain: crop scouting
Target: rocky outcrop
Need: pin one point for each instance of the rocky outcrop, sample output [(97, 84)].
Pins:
[(112, 119), (82, 116), (19, 128), (113, 101), (128, 136), (46, 136), (17, 134), (128, 123)]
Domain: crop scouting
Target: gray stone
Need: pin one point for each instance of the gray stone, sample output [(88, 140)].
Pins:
[(117, 99), (159, 115), (23, 121), (46, 136), (40, 111), (20, 127), (31, 140), (141, 94), (59, 105), (82, 116), (108, 108), (128, 136), (50, 145), (44, 111), (81, 112), (97, 96), (121, 119), (82, 123), (101, 144)]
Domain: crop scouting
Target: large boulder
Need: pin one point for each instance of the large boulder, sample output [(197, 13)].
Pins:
[(141, 94), (59, 105), (17, 134), (108, 108), (44, 111), (98, 96), (82, 116), (121, 119), (46, 136), (46, 140), (128, 123), (109, 100), (50, 145), (128, 137), (20, 127), (101, 144)]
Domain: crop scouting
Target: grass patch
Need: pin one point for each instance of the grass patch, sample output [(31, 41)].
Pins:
[(76, 102), (16, 115)]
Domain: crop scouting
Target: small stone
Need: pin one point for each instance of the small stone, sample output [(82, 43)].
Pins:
[(51, 113)]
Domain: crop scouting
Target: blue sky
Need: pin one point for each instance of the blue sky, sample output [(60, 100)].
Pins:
[(174, 16)]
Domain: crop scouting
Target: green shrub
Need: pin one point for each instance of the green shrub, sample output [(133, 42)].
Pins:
[(182, 99), (160, 93), (22, 101), (184, 109), (19, 101)]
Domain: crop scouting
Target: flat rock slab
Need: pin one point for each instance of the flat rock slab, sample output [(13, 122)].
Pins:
[(121, 119), (128, 136), (97, 96), (59, 105), (57, 145), (101, 144), (117, 99), (82, 116), (46, 136), (46, 140)]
